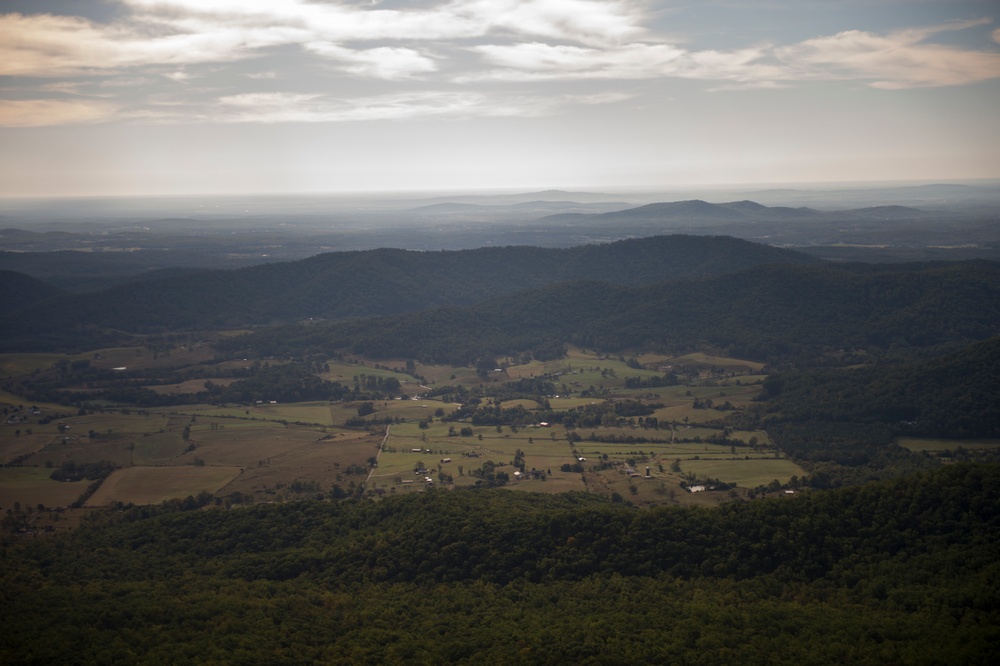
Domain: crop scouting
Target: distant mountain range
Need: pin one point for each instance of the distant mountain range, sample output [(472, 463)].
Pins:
[(696, 212)]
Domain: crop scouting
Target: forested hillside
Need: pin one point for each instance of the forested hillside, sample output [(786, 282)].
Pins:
[(769, 313), (895, 572), (379, 282), (954, 396), (18, 291)]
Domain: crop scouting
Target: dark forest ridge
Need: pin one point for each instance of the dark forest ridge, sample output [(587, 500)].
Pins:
[(385, 281)]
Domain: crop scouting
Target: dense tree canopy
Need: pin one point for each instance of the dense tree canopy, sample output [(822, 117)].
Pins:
[(894, 572)]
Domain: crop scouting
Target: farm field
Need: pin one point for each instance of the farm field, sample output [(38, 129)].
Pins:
[(13, 447), (746, 473), (158, 449), (152, 485), (283, 449), (728, 364), (15, 365), (338, 460), (31, 486)]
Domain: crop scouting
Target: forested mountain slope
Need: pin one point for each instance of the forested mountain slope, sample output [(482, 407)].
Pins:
[(768, 313), (957, 395), (18, 291), (379, 282)]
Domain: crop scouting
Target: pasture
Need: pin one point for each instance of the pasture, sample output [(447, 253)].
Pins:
[(13, 446), (245, 447), (16, 365), (31, 486), (152, 485), (112, 448), (325, 461), (158, 449), (746, 473), (736, 365)]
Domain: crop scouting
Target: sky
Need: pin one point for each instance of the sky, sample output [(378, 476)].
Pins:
[(165, 97)]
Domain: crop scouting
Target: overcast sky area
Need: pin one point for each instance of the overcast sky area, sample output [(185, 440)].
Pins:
[(130, 97)]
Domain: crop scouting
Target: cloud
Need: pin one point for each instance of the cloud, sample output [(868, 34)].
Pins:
[(178, 32), (897, 60), (750, 85), (43, 112), (46, 45), (188, 49), (543, 62), (383, 62), (313, 108), (588, 21)]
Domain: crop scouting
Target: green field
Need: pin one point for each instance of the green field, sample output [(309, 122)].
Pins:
[(16, 365), (31, 486), (745, 473), (158, 449)]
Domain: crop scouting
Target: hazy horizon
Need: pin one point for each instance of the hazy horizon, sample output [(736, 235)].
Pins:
[(113, 98)]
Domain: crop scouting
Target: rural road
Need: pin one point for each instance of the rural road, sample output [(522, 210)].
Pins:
[(377, 455)]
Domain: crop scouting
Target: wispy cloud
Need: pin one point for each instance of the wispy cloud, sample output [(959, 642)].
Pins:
[(896, 60), (43, 112), (425, 49), (383, 62), (293, 107)]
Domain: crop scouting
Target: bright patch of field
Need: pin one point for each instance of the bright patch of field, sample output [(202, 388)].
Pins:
[(527, 404), (408, 410), (563, 404), (559, 482), (346, 372), (190, 386), (527, 370), (921, 445), (652, 358), (245, 447), (32, 486), (688, 414), (729, 364), (158, 449), (304, 412), (746, 473), (12, 446), (604, 374), (152, 485)]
